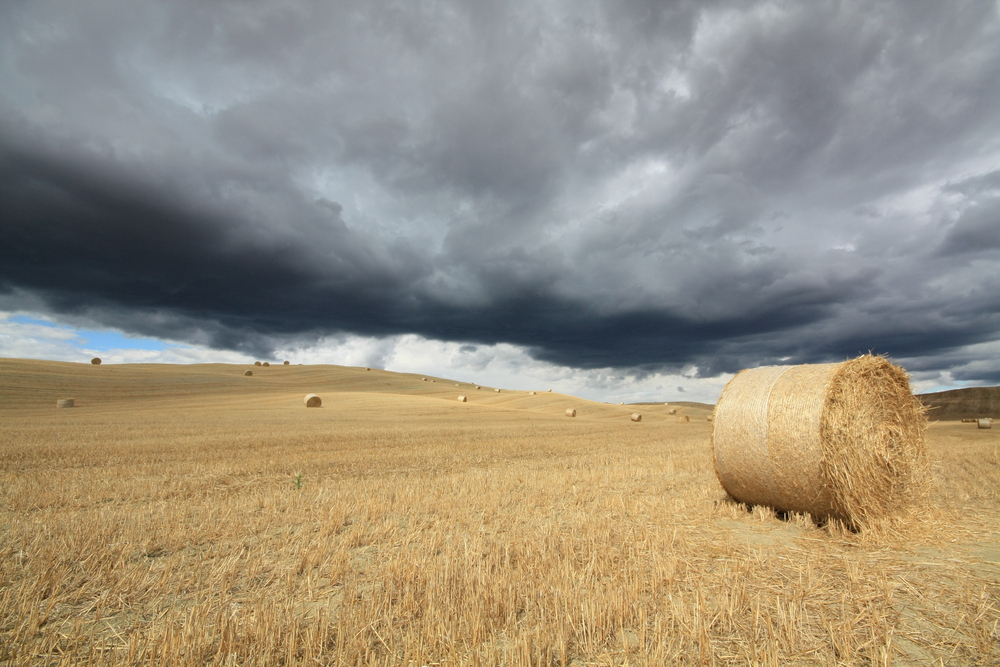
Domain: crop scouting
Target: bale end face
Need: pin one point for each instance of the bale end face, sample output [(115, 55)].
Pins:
[(248, 373), (636, 417), (312, 401), (570, 412), (985, 423), (462, 399), (96, 361), (66, 403)]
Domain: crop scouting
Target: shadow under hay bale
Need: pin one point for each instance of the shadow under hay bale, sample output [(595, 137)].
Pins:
[(312, 401), (66, 403), (985, 423), (570, 412), (96, 361), (841, 441), (636, 417)]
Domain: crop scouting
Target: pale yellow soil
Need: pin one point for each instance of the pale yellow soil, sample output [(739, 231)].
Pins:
[(159, 522)]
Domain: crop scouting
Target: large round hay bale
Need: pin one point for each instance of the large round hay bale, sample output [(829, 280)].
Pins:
[(985, 422), (256, 363), (570, 412), (841, 440), (312, 401), (248, 373), (462, 399), (497, 390), (286, 363), (636, 417), (65, 402), (531, 393), (96, 361), (550, 391), (266, 363), (672, 411), (683, 419)]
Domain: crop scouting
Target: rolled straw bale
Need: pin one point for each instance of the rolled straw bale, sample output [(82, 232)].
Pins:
[(497, 390), (636, 417), (478, 387), (256, 363), (709, 418), (287, 362), (531, 393), (312, 401), (570, 412), (65, 402), (672, 411), (96, 361), (985, 422), (367, 369), (842, 440), (266, 363), (970, 420), (424, 379), (683, 419), (248, 373), (622, 403), (462, 399), (550, 391)]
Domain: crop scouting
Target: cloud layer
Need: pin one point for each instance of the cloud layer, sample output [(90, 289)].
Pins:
[(655, 186)]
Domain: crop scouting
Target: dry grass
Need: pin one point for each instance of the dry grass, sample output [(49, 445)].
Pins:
[(158, 523)]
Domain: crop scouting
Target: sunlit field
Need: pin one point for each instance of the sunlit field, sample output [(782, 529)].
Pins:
[(191, 515)]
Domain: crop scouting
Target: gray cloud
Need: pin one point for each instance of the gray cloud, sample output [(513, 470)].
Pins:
[(655, 185)]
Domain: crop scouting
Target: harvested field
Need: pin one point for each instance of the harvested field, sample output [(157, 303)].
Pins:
[(163, 521)]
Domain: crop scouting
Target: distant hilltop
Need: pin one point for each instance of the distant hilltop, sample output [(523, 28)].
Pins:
[(968, 403)]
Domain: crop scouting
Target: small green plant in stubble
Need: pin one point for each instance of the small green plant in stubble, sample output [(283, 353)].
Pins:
[(297, 481)]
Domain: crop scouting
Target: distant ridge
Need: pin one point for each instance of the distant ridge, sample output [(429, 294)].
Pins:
[(968, 403)]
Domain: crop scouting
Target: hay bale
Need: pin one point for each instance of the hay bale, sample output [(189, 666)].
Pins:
[(65, 402), (841, 440), (256, 363), (367, 369), (985, 422), (570, 412), (497, 390), (683, 419), (424, 379), (672, 411), (636, 417), (478, 387), (970, 420), (531, 393), (709, 418), (266, 363), (622, 403), (550, 391), (312, 401), (96, 361), (462, 399), (248, 373)]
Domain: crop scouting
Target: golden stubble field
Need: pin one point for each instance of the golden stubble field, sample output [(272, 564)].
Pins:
[(159, 523)]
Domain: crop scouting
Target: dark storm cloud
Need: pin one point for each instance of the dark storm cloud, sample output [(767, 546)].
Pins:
[(710, 185)]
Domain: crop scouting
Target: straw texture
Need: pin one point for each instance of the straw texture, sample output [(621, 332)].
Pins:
[(570, 412), (636, 417), (985, 423), (96, 361), (312, 401), (65, 403), (839, 441)]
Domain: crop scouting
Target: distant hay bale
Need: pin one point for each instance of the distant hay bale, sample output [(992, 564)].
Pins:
[(622, 403), (65, 402), (636, 417), (266, 363), (312, 401), (497, 390), (462, 399), (570, 412), (248, 373), (457, 384), (531, 393), (683, 419), (985, 422), (970, 420), (478, 387), (96, 361), (709, 418), (842, 440), (286, 363), (672, 411), (550, 391), (256, 363), (424, 379), (367, 369)]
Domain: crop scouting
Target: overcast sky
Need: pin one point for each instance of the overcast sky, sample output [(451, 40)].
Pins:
[(623, 197)]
